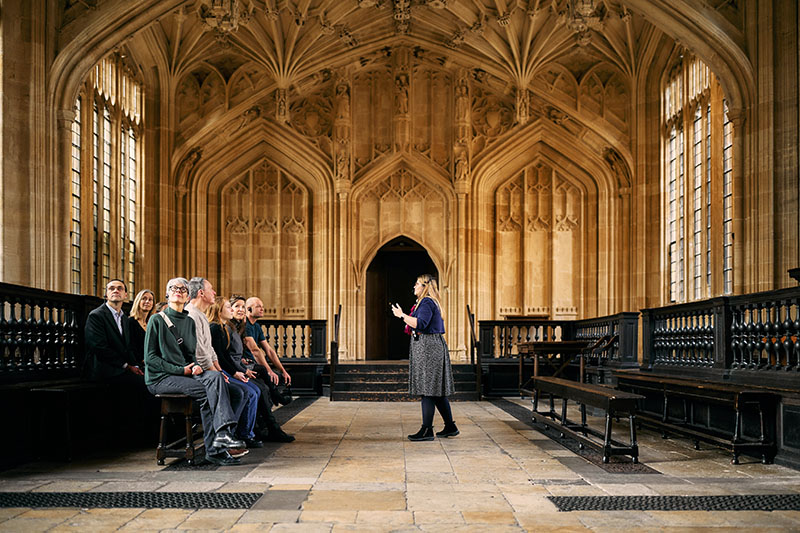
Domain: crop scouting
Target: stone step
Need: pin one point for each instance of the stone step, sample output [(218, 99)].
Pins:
[(394, 396), (391, 386)]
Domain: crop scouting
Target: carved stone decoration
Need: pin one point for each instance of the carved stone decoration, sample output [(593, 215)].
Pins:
[(457, 39), (401, 100), (282, 105), (618, 166), (311, 116), (342, 121), (566, 206), (492, 116), (401, 203), (347, 38), (463, 109), (522, 105), (187, 164), (401, 94), (480, 25), (402, 16), (461, 170), (222, 16)]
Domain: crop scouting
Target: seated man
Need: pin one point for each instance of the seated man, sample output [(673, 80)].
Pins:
[(255, 346), (108, 353), (170, 368)]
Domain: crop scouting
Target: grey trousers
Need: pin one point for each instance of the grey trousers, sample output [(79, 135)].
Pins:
[(211, 392)]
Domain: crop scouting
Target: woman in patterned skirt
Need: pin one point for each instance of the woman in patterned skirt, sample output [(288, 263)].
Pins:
[(429, 372)]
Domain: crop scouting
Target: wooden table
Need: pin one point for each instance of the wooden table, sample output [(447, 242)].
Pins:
[(546, 349)]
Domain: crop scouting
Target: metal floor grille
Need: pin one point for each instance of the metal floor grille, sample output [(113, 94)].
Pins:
[(755, 502), (147, 500)]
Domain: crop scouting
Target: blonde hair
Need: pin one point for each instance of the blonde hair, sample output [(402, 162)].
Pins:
[(214, 311), (430, 289), (136, 311)]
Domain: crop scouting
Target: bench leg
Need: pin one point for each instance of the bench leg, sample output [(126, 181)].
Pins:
[(737, 430), (634, 444), (536, 401), (162, 440), (607, 439), (583, 418)]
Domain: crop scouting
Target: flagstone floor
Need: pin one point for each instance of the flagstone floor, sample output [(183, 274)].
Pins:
[(351, 469)]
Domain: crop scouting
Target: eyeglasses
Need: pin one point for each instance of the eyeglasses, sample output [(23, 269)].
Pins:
[(182, 290)]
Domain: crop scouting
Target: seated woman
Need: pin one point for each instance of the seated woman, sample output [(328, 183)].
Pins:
[(223, 340), (141, 311), (270, 429)]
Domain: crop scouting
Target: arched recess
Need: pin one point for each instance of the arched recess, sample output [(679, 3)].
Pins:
[(260, 208), (563, 199), (399, 195)]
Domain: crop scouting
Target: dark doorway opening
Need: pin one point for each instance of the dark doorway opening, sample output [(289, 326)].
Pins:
[(390, 279)]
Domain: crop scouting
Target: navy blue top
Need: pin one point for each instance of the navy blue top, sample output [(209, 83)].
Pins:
[(429, 317)]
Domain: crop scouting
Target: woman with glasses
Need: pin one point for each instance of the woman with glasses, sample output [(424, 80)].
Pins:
[(429, 371), (170, 368)]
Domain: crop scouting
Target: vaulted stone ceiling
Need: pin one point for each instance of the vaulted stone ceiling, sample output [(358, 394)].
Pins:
[(575, 62)]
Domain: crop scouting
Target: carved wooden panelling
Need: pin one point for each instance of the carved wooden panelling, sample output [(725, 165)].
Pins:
[(538, 262), (372, 115), (266, 225), (401, 204)]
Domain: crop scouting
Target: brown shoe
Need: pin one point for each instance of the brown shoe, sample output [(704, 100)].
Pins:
[(238, 452)]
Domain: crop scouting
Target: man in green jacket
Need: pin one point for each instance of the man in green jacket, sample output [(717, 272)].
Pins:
[(170, 368)]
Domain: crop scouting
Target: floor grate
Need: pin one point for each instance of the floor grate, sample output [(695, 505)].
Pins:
[(146, 500), (755, 502)]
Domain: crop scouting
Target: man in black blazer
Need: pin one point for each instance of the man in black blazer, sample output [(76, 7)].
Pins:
[(108, 353)]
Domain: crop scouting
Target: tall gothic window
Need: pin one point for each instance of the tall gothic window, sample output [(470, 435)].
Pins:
[(104, 209), (697, 184)]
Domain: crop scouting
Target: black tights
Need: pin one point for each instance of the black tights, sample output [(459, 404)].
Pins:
[(441, 403)]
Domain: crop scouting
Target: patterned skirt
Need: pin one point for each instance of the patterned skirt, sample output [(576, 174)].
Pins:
[(429, 371)]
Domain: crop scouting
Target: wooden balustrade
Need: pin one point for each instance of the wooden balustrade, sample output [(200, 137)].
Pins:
[(296, 339), (749, 338), (41, 333), (498, 339)]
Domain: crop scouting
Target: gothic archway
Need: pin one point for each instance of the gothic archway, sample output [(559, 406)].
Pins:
[(390, 278)]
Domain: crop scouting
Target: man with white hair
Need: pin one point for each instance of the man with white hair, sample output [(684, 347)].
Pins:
[(171, 368)]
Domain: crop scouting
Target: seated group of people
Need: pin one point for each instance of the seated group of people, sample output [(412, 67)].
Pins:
[(201, 345)]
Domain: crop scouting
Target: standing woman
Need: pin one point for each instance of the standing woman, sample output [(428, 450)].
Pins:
[(429, 373), (141, 310)]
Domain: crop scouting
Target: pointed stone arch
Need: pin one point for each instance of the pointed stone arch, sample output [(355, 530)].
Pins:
[(268, 207)]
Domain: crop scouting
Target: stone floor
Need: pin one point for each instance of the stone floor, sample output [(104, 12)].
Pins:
[(351, 469)]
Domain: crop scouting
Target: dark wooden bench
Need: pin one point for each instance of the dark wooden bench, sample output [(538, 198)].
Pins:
[(612, 402), (62, 409), (190, 444), (667, 390)]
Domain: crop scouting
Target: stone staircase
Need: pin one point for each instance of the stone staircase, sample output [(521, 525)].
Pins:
[(387, 381)]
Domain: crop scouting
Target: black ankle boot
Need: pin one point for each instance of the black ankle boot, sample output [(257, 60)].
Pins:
[(450, 430), (424, 433)]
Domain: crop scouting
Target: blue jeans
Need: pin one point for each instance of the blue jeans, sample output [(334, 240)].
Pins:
[(247, 420)]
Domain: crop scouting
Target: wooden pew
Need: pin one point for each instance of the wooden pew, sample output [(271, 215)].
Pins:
[(612, 402), (667, 390)]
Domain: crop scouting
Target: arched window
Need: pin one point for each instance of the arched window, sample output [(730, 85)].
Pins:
[(697, 187), (104, 208)]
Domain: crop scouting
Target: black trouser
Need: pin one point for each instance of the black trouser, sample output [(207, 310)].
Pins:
[(441, 403), (265, 404)]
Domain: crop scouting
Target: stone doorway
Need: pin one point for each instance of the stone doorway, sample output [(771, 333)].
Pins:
[(390, 279)]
